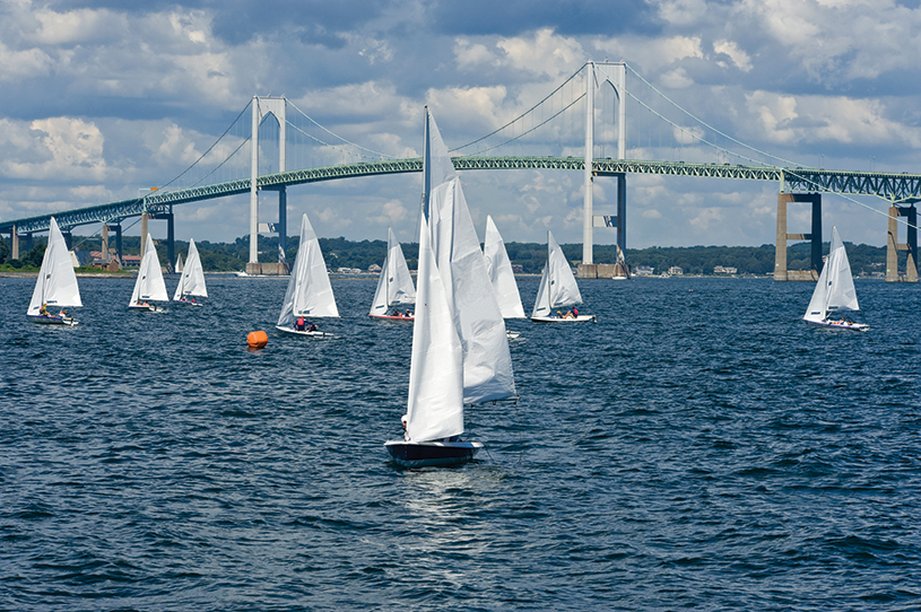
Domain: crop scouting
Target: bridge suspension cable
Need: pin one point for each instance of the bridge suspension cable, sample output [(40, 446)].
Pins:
[(785, 168), (331, 133), (526, 132), (209, 149), (522, 115)]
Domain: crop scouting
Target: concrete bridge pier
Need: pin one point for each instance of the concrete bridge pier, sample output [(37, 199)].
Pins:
[(145, 223), (619, 222), (910, 246), (283, 217), (117, 228), (104, 243), (14, 246), (781, 273)]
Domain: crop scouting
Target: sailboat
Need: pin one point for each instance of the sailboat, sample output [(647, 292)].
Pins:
[(56, 284), (621, 271), (557, 290), (395, 285), (178, 269), (149, 286), (499, 268), (192, 282), (460, 351), (309, 293), (834, 290)]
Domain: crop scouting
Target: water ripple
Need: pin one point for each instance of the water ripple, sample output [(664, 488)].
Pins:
[(698, 455)]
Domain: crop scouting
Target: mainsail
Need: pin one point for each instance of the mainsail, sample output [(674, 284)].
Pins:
[(558, 288), (192, 281), (395, 285), (309, 293), (57, 283), (835, 287), (500, 273), (456, 248), (149, 284), (435, 406)]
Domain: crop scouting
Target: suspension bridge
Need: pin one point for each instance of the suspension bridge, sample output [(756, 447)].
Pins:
[(576, 112)]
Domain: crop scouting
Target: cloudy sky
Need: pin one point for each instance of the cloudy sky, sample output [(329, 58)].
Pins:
[(100, 99)]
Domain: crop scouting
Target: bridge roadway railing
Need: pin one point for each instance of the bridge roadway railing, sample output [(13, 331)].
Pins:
[(893, 187)]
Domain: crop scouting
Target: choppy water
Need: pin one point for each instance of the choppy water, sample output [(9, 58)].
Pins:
[(699, 446)]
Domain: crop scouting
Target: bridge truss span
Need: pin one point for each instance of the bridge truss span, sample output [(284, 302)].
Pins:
[(894, 188)]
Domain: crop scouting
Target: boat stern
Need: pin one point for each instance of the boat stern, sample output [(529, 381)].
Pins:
[(424, 454)]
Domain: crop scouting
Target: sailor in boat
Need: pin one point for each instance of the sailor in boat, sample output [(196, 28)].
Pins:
[(303, 325), (405, 418), (44, 312)]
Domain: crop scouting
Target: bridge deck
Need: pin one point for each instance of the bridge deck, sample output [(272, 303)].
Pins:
[(893, 187)]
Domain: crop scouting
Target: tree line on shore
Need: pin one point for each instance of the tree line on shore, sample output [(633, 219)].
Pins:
[(866, 260)]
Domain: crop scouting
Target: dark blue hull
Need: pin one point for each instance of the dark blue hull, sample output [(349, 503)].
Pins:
[(422, 454)]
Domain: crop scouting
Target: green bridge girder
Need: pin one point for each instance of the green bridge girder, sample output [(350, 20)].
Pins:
[(892, 187)]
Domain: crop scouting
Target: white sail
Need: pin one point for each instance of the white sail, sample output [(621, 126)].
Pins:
[(500, 273), (192, 281), (179, 267), (309, 293), (57, 283), (835, 287), (456, 247), (149, 285), (435, 405), (558, 287), (395, 285)]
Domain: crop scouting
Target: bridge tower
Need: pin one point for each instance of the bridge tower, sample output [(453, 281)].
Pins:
[(262, 107), (597, 75), (781, 273), (910, 246)]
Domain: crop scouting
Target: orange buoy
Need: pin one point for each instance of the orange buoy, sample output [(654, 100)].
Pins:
[(257, 339)]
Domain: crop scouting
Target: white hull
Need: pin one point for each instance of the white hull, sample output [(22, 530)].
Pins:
[(310, 334), (147, 308), (512, 335), (392, 317), (188, 302), (579, 319), (52, 320), (840, 324)]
